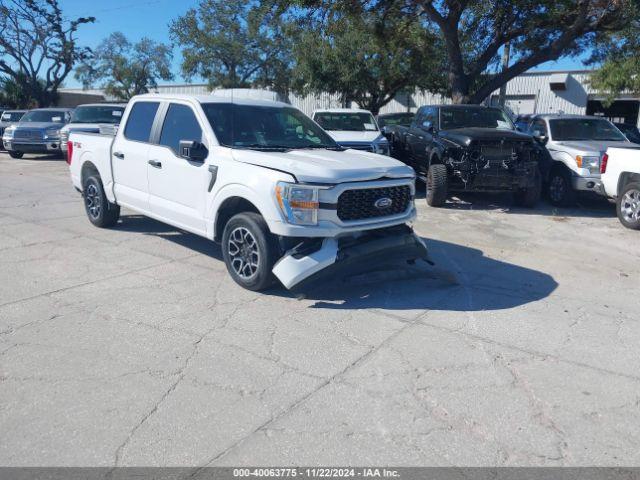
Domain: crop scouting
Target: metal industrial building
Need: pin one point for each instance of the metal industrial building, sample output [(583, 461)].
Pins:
[(532, 92)]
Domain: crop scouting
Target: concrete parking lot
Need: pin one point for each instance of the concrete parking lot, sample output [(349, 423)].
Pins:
[(132, 346)]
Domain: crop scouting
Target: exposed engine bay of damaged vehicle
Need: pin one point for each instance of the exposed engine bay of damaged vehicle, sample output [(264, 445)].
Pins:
[(470, 148)]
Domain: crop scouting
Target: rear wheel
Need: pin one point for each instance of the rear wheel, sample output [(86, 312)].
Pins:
[(628, 206), (15, 154), (529, 197), (559, 189), (249, 251), (436, 185), (101, 212)]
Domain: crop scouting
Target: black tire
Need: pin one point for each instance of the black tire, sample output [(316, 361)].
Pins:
[(100, 211), (628, 206), (16, 154), (559, 189), (249, 251), (529, 197), (436, 185)]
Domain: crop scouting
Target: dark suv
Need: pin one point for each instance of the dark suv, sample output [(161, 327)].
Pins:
[(470, 148)]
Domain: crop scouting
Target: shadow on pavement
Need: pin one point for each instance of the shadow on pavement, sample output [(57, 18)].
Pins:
[(463, 279)]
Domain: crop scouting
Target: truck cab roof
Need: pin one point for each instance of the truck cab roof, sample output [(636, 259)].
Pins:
[(210, 99)]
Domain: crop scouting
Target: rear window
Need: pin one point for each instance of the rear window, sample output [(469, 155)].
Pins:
[(140, 121)]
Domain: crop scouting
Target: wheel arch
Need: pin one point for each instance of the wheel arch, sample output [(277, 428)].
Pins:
[(626, 178), (229, 207), (88, 169)]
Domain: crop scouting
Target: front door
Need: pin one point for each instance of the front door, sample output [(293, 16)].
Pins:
[(178, 186)]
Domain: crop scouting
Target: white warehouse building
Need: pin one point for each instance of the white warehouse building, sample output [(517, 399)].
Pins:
[(532, 92)]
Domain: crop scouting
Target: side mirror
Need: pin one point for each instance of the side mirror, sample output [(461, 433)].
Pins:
[(428, 126), (193, 150), (540, 137)]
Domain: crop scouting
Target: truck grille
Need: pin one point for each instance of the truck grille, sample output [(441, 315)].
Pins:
[(27, 135), (363, 203), (501, 153)]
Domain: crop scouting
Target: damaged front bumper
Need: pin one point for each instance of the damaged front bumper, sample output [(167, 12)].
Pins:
[(316, 260)]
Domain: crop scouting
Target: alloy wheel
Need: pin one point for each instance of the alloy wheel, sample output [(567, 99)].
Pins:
[(243, 252), (630, 205), (93, 201)]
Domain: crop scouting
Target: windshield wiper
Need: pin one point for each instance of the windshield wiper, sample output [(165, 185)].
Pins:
[(337, 148), (259, 146)]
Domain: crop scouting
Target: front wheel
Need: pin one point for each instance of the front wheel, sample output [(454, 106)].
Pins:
[(101, 212), (561, 193), (16, 154), (249, 251), (529, 197), (628, 206), (436, 185)]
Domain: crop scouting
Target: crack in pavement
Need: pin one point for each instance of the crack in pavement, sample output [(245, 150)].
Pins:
[(304, 398)]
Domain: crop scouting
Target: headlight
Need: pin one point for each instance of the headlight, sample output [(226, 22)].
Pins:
[(298, 203), (52, 133), (8, 132), (591, 163)]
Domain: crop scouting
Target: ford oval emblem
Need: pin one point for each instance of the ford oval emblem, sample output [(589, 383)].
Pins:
[(383, 202)]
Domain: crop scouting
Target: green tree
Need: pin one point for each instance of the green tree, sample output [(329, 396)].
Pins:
[(233, 43), (38, 47), (619, 62), (125, 69), (473, 33), (15, 94), (367, 57)]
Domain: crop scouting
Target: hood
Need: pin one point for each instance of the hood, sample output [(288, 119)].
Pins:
[(464, 136), (582, 146), (327, 166), (341, 136), (38, 125)]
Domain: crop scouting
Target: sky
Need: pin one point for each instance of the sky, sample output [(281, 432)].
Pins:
[(150, 18)]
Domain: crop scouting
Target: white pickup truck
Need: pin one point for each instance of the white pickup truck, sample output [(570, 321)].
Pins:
[(620, 175), (283, 198)]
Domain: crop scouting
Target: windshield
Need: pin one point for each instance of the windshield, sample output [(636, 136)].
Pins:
[(48, 116), (568, 129), (400, 119), (264, 128), (474, 117), (11, 116), (630, 131), (97, 114), (346, 121)]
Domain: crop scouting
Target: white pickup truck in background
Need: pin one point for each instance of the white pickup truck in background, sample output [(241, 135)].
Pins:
[(620, 174), (276, 190)]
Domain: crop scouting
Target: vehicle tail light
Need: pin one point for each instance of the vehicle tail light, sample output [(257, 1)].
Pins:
[(603, 163), (69, 151)]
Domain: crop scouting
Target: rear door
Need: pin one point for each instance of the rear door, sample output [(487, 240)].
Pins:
[(129, 156), (177, 185)]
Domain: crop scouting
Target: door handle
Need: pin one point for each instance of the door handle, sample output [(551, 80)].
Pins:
[(155, 163), (118, 155)]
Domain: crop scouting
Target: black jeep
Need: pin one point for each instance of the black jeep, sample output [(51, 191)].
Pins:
[(470, 148)]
